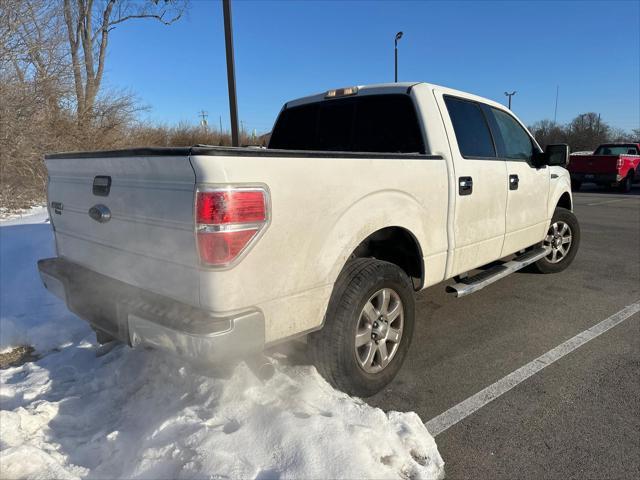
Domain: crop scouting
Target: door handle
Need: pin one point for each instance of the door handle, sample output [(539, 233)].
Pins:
[(513, 182), (465, 185)]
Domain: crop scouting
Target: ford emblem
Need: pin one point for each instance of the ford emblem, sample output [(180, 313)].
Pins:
[(100, 213)]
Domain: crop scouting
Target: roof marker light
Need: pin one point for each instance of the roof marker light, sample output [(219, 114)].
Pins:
[(341, 92)]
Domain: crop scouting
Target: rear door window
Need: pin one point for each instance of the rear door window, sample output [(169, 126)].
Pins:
[(370, 123), (471, 128)]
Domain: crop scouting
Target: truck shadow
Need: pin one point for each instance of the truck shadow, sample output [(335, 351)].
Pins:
[(593, 188)]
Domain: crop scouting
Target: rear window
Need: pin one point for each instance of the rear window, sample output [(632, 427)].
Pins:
[(617, 150), (370, 123), (472, 130)]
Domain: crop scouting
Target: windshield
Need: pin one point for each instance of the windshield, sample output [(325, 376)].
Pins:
[(617, 150)]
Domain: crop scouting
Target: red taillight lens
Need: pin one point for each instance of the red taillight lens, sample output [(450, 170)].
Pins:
[(227, 220), (220, 248), (221, 207)]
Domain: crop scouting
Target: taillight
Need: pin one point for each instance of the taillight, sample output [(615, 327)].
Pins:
[(227, 222), (619, 162)]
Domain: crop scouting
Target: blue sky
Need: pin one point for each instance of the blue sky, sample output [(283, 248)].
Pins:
[(287, 49)]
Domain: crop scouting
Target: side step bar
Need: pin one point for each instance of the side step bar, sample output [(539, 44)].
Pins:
[(487, 277)]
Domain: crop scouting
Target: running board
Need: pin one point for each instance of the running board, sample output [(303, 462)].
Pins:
[(487, 277)]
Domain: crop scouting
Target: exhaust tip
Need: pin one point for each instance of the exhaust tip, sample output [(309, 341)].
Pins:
[(261, 367)]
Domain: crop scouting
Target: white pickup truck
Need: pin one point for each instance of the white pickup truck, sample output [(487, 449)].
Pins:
[(364, 196)]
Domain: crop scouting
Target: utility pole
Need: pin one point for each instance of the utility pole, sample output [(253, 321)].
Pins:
[(395, 50), (510, 95), (231, 74), (220, 123), (203, 115), (555, 110)]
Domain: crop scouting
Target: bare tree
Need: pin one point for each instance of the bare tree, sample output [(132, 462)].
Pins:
[(89, 24), (546, 132), (587, 131), (32, 48)]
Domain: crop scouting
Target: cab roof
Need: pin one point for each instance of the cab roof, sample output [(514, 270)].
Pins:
[(391, 88)]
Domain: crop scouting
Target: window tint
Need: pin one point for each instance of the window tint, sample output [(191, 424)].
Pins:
[(472, 131), (516, 143), (296, 128), (371, 123), (335, 123), (387, 123)]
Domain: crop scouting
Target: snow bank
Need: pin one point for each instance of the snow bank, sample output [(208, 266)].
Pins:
[(140, 414), (26, 308)]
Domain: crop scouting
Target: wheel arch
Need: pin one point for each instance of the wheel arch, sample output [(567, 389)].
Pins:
[(560, 195), (565, 201), (372, 225), (396, 245)]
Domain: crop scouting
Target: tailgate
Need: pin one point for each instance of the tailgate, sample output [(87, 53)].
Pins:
[(593, 164), (148, 241)]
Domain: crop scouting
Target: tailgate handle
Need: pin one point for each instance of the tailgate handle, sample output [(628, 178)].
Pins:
[(101, 185)]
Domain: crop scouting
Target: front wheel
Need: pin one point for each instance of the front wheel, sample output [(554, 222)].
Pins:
[(368, 327), (562, 239)]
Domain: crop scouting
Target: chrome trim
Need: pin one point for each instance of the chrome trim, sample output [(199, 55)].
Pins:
[(141, 317), (230, 227), (245, 336), (100, 213)]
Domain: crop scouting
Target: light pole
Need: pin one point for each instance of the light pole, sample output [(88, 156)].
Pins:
[(510, 95), (395, 45)]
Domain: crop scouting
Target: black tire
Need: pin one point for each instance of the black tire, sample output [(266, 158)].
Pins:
[(546, 265), (333, 349), (576, 185), (624, 186)]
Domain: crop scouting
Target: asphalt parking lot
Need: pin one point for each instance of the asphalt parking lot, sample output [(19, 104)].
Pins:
[(577, 418)]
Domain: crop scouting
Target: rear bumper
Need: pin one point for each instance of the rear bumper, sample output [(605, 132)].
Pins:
[(602, 178), (139, 317)]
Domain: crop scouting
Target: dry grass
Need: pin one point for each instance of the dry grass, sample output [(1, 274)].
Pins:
[(17, 356), (29, 132)]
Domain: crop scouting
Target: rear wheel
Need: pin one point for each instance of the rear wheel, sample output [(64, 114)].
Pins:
[(562, 239), (625, 185), (368, 327)]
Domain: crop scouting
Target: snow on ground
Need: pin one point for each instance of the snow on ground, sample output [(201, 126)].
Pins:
[(140, 414), (26, 215)]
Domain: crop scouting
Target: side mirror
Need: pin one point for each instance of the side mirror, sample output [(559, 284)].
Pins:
[(557, 155)]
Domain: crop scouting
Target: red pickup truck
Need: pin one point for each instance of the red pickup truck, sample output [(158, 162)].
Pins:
[(612, 164)]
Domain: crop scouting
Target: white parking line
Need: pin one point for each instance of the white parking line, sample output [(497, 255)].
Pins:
[(465, 408), (604, 202)]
